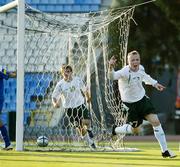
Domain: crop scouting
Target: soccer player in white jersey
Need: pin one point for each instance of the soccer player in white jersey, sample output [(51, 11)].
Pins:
[(71, 91), (135, 101)]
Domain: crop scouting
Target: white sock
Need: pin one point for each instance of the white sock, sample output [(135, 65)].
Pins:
[(126, 128), (160, 136)]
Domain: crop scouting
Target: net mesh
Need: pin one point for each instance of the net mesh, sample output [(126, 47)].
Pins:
[(81, 40)]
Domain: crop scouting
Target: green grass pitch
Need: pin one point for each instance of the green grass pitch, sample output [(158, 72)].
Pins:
[(148, 156)]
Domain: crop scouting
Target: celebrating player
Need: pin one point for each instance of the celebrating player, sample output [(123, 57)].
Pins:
[(134, 99), (4, 75), (70, 90)]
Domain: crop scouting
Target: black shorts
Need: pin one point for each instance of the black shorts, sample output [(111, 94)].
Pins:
[(138, 110), (76, 115)]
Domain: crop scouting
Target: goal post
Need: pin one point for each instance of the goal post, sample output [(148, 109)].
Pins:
[(20, 68), (45, 42), (20, 75)]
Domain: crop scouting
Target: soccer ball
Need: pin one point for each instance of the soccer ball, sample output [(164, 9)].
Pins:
[(42, 141)]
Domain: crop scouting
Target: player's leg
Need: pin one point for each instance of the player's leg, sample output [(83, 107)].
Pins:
[(4, 132), (159, 134), (72, 116), (133, 122), (86, 123), (149, 113)]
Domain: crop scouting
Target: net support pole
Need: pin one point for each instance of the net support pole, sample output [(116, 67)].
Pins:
[(70, 59), (88, 79), (8, 6), (20, 75)]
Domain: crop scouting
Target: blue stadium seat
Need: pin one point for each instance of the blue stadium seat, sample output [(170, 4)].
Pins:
[(34, 1), (7, 1), (26, 115), (4, 117), (27, 98), (53, 2), (36, 84), (62, 5), (94, 8), (13, 98), (29, 1), (85, 8), (76, 8), (50, 8), (58, 8), (2, 2), (5, 106), (67, 8), (90, 2), (32, 106), (6, 91), (12, 83), (26, 106), (44, 2), (7, 98), (12, 106)]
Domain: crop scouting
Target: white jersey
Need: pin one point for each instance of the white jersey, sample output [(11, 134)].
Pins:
[(70, 92), (130, 83)]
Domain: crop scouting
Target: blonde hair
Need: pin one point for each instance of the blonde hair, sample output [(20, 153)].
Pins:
[(134, 52)]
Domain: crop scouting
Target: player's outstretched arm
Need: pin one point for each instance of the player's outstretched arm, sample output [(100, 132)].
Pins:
[(111, 65), (159, 87), (88, 97), (112, 62)]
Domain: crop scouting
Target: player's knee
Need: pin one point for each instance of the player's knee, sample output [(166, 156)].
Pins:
[(136, 130), (86, 122), (153, 119), (155, 122)]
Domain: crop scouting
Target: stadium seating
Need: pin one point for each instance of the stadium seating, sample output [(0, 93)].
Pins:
[(35, 85), (57, 6)]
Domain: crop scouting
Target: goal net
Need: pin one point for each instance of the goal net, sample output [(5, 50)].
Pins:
[(51, 40)]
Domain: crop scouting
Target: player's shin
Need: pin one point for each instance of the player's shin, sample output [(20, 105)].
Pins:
[(160, 136)]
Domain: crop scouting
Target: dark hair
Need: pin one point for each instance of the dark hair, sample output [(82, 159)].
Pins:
[(68, 67), (65, 67)]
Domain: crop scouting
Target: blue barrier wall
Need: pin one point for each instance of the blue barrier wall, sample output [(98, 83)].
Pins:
[(62, 6)]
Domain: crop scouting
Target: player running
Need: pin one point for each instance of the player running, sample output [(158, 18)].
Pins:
[(134, 99), (70, 90)]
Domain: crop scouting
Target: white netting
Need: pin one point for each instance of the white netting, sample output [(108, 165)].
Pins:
[(81, 40)]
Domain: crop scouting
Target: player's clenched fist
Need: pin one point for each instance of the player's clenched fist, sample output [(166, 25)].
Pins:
[(112, 62)]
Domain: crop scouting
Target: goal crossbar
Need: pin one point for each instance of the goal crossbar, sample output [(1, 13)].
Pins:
[(9, 6)]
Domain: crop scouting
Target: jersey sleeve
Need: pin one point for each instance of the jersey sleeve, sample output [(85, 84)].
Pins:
[(57, 92), (82, 84), (115, 75), (147, 79)]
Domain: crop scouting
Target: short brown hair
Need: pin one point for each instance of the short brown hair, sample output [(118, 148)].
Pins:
[(65, 67)]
